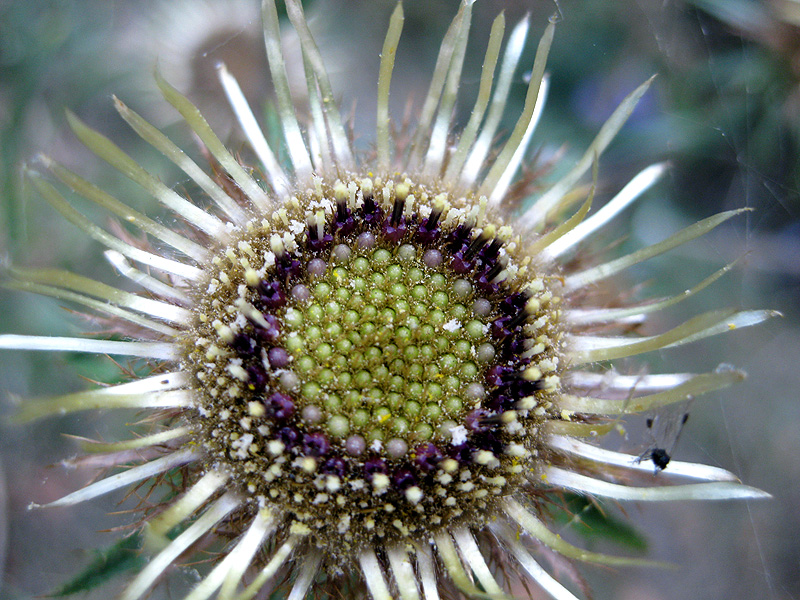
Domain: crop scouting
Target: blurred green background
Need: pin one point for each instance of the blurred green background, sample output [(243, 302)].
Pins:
[(724, 110)]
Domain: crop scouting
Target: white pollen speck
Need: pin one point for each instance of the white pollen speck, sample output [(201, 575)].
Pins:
[(459, 434), (344, 524), (357, 484), (276, 447), (320, 499), (380, 482), (242, 445), (452, 325), (376, 445), (333, 483), (414, 494)]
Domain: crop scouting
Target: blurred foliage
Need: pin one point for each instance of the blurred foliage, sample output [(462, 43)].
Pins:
[(116, 560)]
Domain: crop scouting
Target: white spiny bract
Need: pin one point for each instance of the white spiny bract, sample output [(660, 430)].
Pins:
[(374, 379)]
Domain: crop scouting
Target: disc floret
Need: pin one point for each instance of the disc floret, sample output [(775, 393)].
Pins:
[(375, 360)]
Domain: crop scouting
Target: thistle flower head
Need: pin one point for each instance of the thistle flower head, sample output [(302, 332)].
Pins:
[(373, 378)]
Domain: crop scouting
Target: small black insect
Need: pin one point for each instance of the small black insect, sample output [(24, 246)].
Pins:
[(659, 455)]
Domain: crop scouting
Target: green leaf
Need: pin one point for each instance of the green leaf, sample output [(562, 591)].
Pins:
[(117, 559), (595, 522)]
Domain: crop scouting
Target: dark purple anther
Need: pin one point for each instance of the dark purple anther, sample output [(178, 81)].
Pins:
[(394, 233), (334, 466), (474, 421), (404, 478), (490, 252), (258, 377), (501, 402), (460, 264), (428, 229), (318, 243), (498, 375), (374, 465), (269, 334), (279, 406), (514, 303), (502, 327), (244, 345), (478, 243), (344, 221), (489, 440), (461, 452), (372, 213), (459, 238), (278, 358), (289, 436), (270, 294), (315, 444), (427, 457), (287, 266)]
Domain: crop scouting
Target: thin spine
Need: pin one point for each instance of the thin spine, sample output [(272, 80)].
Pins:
[(427, 572), (605, 270), (418, 146), (200, 126), (147, 576), (96, 305), (470, 132), (538, 246), (718, 490), (473, 557), (626, 386), (143, 280), (155, 350), (308, 571), (145, 441), (477, 156), (232, 567), (535, 216), (373, 575), (298, 151), (610, 315), (634, 189), (281, 555), (388, 54), (126, 478), (546, 581), (276, 176), (453, 565), (178, 157), (696, 386), (437, 137), (514, 141), (263, 526), (71, 281), (575, 429), (607, 458), (539, 531), (321, 156), (341, 144), (157, 528), (586, 349), (80, 401), (403, 572), (111, 153), (506, 177), (93, 193), (57, 201)]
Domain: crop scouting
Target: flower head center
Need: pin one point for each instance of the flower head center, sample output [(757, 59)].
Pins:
[(374, 361)]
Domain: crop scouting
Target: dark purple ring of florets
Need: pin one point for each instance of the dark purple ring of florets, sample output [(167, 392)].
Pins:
[(468, 254)]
